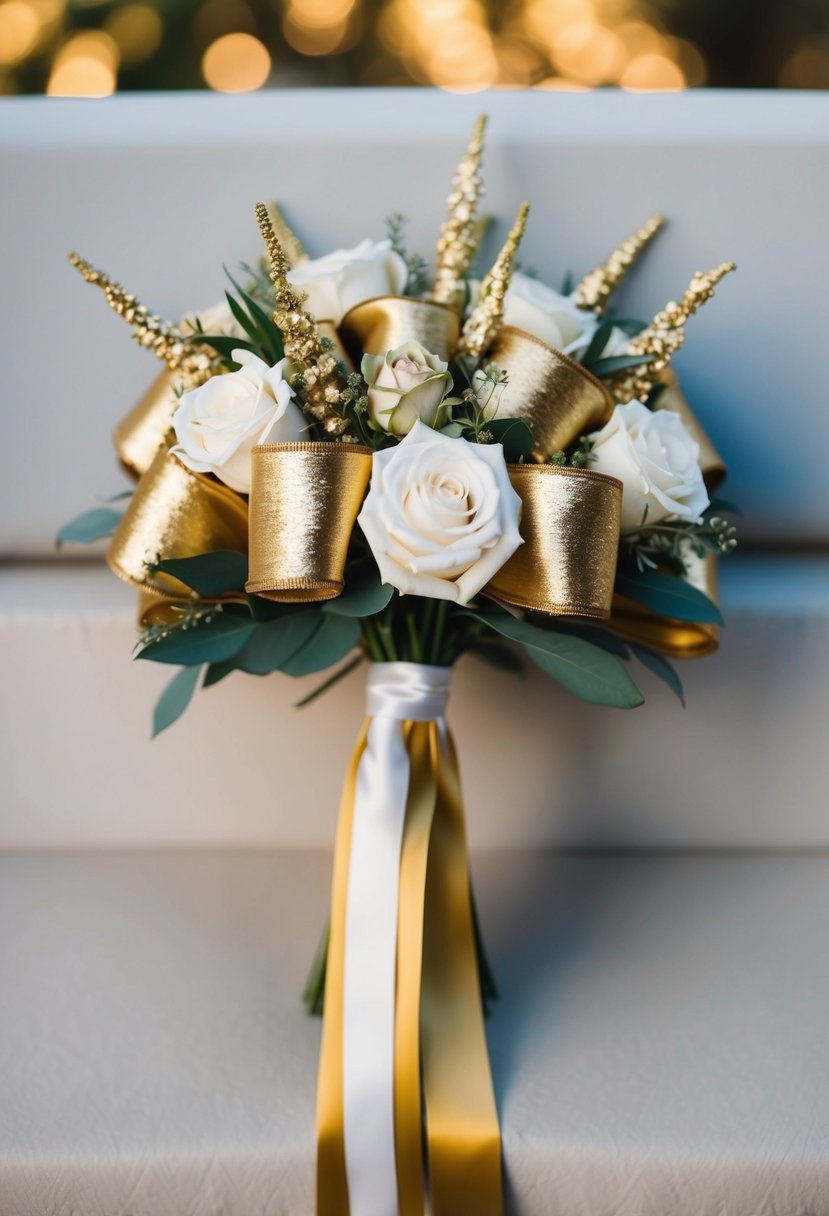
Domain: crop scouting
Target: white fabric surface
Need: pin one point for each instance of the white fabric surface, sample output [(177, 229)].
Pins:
[(660, 1047), (590, 777)]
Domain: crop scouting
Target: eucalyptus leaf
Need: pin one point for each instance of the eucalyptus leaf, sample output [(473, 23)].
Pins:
[(585, 670), (597, 343), (515, 437), (175, 698), (217, 671), (209, 574), (668, 595), (331, 641), (273, 643), (92, 525), (619, 363), (364, 593), (660, 667), (211, 641)]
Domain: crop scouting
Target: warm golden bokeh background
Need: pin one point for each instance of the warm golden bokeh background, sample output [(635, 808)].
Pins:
[(95, 47)]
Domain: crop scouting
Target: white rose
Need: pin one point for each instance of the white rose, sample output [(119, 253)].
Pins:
[(441, 516), (346, 277), (404, 385), (548, 315), (216, 321), (218, 423), (657, 462)]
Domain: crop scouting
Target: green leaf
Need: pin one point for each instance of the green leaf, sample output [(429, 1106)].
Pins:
[(273, 643), (246, 322), (264, 328), (364, 593), (92, 525), (499, 655), (331, 641), (597, 343), (223, 345), (585, 670), (599, 637), (515, 437), (619, 363), (209, 574), (211, 641), (660, 667), (217, 671), (668, 595), (175, 698)]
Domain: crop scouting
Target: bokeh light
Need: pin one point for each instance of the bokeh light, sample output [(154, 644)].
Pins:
[(236, 63), (137, 31), (86, 66)]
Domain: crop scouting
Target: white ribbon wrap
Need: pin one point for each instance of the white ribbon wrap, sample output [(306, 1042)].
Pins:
[(395, 693)]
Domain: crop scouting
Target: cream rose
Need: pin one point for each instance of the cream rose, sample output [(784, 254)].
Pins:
[(404, 385), (656, 460), (346, 277), (441, 516), (548, 315), (218, 423)]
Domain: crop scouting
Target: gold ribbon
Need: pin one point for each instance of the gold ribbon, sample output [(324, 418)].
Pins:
[(439, 1018), (174, 512), (304, 501), (570, 526), (146, 428), (558, 398), (381, 324)]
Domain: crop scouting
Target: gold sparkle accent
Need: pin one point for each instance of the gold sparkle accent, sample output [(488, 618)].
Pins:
[(665, 335), (288, 239), (596, 287), (322, 388), (460, 234), (196, 363), (487, 317)]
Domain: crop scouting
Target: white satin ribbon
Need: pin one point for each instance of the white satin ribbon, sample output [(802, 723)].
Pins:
[(396, 692)]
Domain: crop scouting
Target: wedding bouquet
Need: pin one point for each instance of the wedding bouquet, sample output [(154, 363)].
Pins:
[(354, 459)]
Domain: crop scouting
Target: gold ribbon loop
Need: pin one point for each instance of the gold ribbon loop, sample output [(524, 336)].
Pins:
[(146, 427), (304, 502), (558, 398), (676, 639), (570, 525), (174, 512), (672, 398), (381, 324)]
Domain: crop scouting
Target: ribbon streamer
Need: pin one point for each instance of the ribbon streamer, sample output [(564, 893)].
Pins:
[(381, 324), (401, 894), (570, 525), (147, 427)]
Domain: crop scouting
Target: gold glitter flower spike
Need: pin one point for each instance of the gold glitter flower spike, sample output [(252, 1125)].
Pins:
[(322, 385), (163, 338), (460, 234), (665, 335), (596, 287), (288, 239), (487, 317)]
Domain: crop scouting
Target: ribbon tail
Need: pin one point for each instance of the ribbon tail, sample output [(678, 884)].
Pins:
[(463, 1135)]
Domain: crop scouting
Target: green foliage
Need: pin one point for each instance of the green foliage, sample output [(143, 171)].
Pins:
[(90, 526), (330, 642), (418, 278), (211, 636), (175, 698), (262, 335), (660, 667), (273, 643), (364, 594), (209, 574), (667, 542), (515, 437), (619, 363), (668, 595), (584, 669)]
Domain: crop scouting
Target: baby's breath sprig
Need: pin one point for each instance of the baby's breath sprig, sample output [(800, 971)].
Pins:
[(581, 458), (667, 542), (192, 614)]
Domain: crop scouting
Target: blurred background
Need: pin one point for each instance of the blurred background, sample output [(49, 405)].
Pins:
[(93, 48)]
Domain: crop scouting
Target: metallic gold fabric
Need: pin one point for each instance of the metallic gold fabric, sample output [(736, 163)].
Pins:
[(146, 427), (672, 398), (332, 1184), (175, 512), (462, 1132), (557, 397), (304, 501), (676, 639), (385, 322), (570, 525)]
